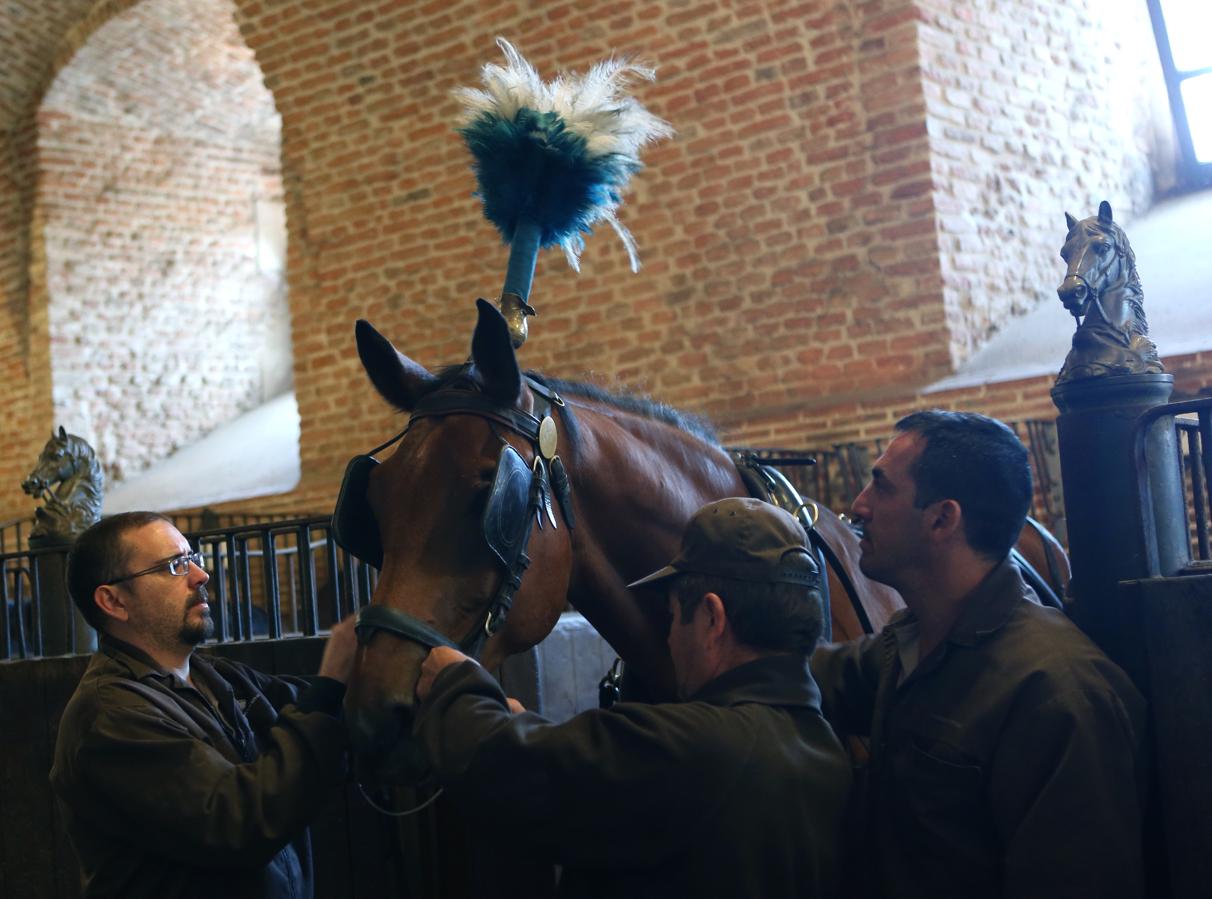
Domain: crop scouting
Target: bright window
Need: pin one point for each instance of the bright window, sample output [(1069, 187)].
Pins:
[(1183, 29)]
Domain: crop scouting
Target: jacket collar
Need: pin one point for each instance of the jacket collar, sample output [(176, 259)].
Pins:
[(990, 605), (139, 663), (986, 610), (782, 679)]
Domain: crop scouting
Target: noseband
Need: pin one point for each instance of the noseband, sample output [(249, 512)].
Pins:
[(520, 495)]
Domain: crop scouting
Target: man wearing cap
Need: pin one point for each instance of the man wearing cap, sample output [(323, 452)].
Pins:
[(738, 790), (1005, 747)]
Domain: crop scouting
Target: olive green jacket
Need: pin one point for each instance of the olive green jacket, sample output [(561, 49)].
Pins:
[(739, 792), (1008, 763), (169, 793)]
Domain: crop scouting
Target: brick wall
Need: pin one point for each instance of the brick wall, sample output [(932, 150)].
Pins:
[(818, 239)]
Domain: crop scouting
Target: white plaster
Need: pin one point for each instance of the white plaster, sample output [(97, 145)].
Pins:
[(256, 454)]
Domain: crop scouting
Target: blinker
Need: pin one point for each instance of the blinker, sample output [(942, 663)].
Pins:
[(505, 515), (353, 524)]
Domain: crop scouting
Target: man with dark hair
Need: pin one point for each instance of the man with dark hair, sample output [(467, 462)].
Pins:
[(737, 791), (177, 776), (1005, 747)]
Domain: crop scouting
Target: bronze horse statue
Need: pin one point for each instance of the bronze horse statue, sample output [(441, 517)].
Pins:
[(510, 495), (1103, 292), (69, 462)]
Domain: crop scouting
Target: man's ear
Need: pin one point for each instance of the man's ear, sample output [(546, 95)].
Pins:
[(946, 519), (716, 620), (111, 602)]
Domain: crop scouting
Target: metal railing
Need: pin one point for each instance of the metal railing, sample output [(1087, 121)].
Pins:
[(1194, 447)]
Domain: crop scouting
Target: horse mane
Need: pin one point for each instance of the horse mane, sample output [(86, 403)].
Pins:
[(1135, 292), (642, 406), (79, 449)]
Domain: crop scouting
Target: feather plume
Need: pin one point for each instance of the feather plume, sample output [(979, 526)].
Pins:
[(557, 155)]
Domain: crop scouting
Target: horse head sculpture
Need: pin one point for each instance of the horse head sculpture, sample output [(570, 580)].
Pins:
[(69, 462), (1102, 291)]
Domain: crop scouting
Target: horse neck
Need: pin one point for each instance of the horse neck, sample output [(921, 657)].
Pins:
[(662, 463), (636, 482)]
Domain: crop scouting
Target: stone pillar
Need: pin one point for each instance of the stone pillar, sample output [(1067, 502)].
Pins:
[(64, 630), (1095, 432)]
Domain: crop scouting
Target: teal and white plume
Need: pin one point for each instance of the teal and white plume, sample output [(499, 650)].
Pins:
[(552, 159)]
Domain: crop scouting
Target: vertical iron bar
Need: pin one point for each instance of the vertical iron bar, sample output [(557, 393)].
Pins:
[(244, 603), (220, 568), (334, 573), (295, 561), (1195, 455), (6, 638), (269, 570), (307, 578), (35, 583), (1205, 433), (1180, 428), (22, 638)]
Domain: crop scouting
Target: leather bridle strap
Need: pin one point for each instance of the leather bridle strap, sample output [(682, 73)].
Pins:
[(382, 618), (467, 403)]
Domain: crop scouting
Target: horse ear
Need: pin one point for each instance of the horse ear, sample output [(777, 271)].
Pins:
[(492, 352), (398, 379), (1070, 221), (1104, 212), (62, 433)]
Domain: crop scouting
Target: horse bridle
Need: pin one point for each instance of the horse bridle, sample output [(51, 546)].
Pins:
[(520, 495), (1092, 295)]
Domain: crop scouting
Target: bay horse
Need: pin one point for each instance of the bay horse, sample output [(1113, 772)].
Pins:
[(501, 474)]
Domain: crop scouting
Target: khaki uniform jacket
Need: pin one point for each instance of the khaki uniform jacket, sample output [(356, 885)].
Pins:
[(740, 792), (164, 795), (1008, 763)]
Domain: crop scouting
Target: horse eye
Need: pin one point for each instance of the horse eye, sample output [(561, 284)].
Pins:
[(1101, 248)]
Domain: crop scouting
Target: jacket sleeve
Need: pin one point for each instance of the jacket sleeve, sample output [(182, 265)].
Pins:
[(182, 798), (848, 675), (565, 787), (1066, 799)]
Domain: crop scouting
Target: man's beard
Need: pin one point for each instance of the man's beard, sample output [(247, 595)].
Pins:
[(193, 633)]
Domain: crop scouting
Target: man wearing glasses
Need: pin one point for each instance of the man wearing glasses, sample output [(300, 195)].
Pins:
[(179, 776)]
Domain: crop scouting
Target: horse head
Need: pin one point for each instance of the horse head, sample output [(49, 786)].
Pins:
[(1099, 260), (453, 517), (56, 463)]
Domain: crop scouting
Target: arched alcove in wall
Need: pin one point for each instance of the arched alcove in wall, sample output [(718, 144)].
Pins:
[(160, 211)]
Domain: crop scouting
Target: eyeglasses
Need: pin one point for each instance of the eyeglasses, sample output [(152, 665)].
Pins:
[(178, 566)]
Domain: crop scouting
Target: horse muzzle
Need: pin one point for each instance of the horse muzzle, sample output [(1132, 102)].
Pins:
[(34, 486), (1074, 293)]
